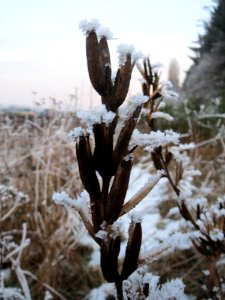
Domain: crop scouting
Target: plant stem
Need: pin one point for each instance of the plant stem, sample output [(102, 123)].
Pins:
[(119, 288), (214, 278)]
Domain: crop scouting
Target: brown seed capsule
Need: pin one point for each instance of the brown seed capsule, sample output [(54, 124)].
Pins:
[(122, 83), (89, 178), (103, 150), (118, 192), (121, 147), (110, 249), (96, 68), (130, 263)]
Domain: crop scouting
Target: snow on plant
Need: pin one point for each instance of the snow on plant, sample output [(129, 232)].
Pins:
[(141, 285), (208, 236)]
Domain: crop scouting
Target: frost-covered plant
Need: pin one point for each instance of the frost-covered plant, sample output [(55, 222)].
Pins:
[(206, 221), (208, 225), (105, 158)]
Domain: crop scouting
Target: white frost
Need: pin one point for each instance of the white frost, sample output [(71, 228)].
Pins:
[(162, 115), (124, 50), (155, 138), (97, 115), (87, 26)]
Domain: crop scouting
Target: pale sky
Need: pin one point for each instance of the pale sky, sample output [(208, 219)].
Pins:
[(43, 50)]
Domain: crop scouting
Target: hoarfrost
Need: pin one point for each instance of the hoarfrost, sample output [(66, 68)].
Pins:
[(104, 32), (136, 217), (97, 115), (173, 289), (87, 26), (77, 132), (155, 138), (162, 115), (124, 50), (101, 234)]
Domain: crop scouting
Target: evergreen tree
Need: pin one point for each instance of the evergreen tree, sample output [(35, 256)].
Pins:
[(206, 78)]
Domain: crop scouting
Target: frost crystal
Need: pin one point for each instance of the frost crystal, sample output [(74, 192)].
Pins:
[(155, 138), (61, 198), (78, 131), (173, 289), (136, 217), (101, 234), (87, 26), (126, 111), (216, 234), (159, 114), (124, 50), (81, 203), (104, 32), (138, 100), (97, 115), (167, 92)]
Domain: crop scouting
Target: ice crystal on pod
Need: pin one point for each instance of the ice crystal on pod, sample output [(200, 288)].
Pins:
[(162, 115), (155, 138), (97, 115), (136, 217), (87, 26), (101, 234), (104, 32), (93, 25), (115, 229), (77, 132), (124, 50), (135, 101), (129, 157)]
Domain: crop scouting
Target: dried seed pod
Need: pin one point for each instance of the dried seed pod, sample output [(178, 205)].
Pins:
[(156, 158), (103, 150), (110, 249), (186, 214), (89, 178), (104, 51), (168, 157), (122, 83), (130, 263), (121, 147), (96, 68), (118, 192)]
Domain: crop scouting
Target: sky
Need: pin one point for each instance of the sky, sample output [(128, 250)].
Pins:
[(42, 50)]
